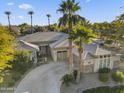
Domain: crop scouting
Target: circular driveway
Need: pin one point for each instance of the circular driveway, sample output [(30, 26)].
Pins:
[(43, 79)]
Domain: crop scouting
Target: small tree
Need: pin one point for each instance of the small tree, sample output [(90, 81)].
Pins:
[(81, 35)]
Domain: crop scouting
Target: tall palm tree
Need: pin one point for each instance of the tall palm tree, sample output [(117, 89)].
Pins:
[(31, 14), (8, 13), (80, 36), (68, 9), (48, 16)]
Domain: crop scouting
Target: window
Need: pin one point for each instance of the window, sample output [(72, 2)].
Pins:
[(100, 65), (101, 56), (104, 56), (108, 55), (108, 62), (104, 63)]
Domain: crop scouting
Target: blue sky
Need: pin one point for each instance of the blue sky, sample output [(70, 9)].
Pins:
[(93, 10)]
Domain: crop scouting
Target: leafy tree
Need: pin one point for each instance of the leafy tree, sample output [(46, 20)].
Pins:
[(68, 9), (6, 48), (81, 35), (118, 31), (23, 27), (112, 31), (121, 18), (103, 30)]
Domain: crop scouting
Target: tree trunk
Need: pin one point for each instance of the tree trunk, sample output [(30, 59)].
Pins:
[(9, 23), (70, 57), (49, 22), (31, 25), (70, 46), (79, 66)]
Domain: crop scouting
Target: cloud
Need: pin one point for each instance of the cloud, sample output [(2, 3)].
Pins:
[(88, 1), (25, 6), (20, 17), (10, 3)]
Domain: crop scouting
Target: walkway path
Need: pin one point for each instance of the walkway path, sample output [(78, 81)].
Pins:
[(44, 79), (88, 81)]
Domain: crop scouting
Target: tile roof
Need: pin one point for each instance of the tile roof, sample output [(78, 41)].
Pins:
[(91, 50), (26, 46), (42, 37)]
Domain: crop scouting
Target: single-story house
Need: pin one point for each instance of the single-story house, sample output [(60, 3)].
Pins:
[(55, 45)]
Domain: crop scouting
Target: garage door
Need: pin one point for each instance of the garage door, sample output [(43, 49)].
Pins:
[(61, 55)]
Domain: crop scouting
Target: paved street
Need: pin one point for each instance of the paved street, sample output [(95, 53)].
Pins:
[(44, 79)]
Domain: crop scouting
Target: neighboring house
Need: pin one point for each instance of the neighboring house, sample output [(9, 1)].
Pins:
[(55, 45)]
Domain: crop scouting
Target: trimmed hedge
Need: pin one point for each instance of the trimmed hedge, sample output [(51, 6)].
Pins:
[(106, 89), (103, 74), (103, 77), (104, 70)]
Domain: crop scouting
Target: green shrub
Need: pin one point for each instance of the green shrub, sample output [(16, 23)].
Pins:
[(16, 76), (103, 77), (11, 83), (118, 76), (117, 89), (108, 41), (104, 70), (21, 62), (106, 89), (68, 78)]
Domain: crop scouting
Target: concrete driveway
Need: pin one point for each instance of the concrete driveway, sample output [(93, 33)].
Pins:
[(43, 79)]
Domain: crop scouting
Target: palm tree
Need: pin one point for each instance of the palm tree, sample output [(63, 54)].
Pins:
[(8, 13), (48, 16), (80, 36), (68, 9), (31, 13)]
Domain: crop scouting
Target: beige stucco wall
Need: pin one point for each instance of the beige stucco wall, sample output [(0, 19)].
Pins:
[(92, 65), (54, 54), (33, 56)]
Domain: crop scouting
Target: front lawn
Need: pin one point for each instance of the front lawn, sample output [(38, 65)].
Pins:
[(106, 89)]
